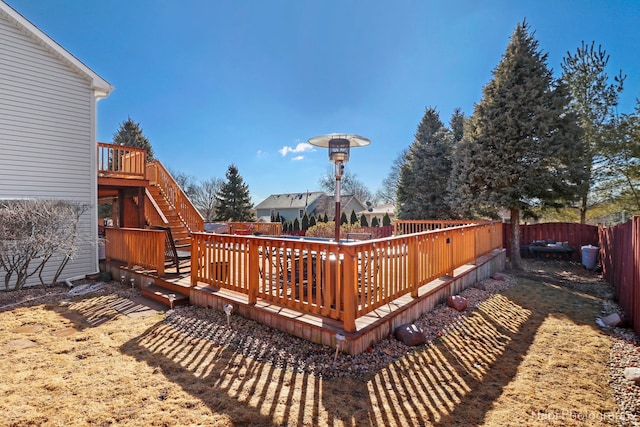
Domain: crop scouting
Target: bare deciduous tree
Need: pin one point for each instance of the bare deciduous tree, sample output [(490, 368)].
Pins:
[(204, 198)]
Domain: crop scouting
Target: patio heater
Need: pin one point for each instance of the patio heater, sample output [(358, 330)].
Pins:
[(339, 145)]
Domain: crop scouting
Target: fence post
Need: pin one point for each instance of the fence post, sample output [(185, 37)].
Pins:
[(253, 271)]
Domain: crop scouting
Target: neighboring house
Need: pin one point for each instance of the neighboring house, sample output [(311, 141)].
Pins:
[(48, 128), (289, 206), (294, 205), (379, 212)]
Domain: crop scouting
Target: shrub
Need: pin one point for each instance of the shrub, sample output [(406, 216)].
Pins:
[(354, 218), (32, 232), (328, 229)]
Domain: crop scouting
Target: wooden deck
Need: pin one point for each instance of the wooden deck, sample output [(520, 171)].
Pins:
[(370, 329)]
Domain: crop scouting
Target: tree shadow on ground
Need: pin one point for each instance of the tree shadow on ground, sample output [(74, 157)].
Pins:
[(456, 380), (244, 390)]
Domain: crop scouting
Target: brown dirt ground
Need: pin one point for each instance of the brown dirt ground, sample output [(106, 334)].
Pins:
[(531, 355)]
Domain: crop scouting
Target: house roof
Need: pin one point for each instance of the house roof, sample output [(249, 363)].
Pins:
[(289, 201), (101, 87), (387, 208)]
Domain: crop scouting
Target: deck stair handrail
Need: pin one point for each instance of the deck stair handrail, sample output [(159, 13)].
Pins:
[(187, 212), (120, 161), (153, 215)]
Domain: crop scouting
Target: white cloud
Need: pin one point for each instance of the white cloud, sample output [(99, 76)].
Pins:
[(297, 158), (300, 148)]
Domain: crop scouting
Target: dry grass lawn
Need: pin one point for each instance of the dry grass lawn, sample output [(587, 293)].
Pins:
[(529, 356)]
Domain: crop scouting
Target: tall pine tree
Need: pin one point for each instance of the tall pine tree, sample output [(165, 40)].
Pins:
[(594, 100), (130, 134), (234, 202), (425, 174), (522, 139)]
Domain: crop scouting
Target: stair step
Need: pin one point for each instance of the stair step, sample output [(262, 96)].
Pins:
[(160, 294)]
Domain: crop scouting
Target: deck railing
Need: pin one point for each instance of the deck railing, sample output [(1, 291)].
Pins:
[(135, 246), (118, 161), (418, 225), (158, 175), (342, 281)]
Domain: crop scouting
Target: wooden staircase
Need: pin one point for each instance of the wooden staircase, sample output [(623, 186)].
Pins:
[(167, 205), (178, 229), (164, 292)]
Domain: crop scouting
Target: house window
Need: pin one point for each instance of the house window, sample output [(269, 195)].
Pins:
[(301, 213)]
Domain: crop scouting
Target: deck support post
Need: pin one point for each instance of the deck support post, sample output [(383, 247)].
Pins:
[(413, 266)]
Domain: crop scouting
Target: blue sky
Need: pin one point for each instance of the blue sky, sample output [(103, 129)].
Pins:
[(215, 82)]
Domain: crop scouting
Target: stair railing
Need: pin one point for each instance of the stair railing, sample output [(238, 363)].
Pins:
[(152, 212), (188, 214)]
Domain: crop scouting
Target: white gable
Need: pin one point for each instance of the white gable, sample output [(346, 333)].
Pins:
[(48, 126)]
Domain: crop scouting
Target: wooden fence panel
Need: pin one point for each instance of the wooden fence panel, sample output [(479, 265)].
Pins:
[(577, 235), (620, 258)]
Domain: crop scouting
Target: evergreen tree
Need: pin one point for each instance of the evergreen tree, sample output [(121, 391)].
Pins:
[(278, 219), (343, 218), (312, 221), (622, 151), (375, 222), (386, 220), (424, 177), (354, 218), (285, 226), (305, 222), (363, 221), (456, 124), (296, 224), (522, 139), (234, 202), (130, 134), (326, 217), (594, 100), (273, 217)]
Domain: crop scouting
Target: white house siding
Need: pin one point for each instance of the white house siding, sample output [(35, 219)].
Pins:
[(47, 134)]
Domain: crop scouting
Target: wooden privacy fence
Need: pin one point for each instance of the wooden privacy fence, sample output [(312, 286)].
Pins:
[(620, 258), (376, 232), (340, 281), (577, 235), (136, 246), (245, 228)]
